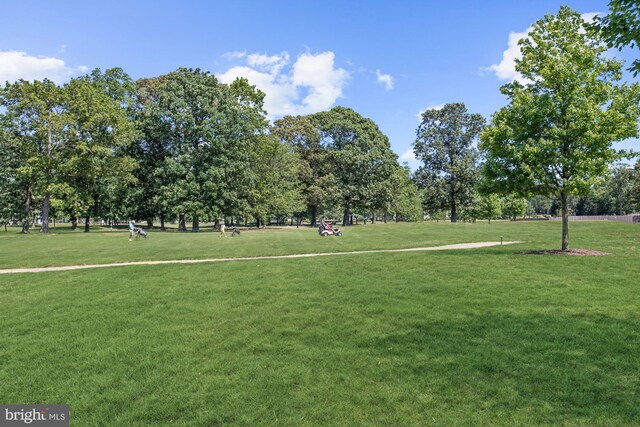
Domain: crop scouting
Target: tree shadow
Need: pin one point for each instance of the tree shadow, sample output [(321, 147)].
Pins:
[(550, 366)]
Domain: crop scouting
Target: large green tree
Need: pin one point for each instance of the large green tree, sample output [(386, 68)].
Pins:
[(555, 136), (445, 144), (151, 148), (276, 190), (406, 203), (362, 161), (100, 129), (37, 120), (11, 187), (314, 172), (202, 132), (620, 27)]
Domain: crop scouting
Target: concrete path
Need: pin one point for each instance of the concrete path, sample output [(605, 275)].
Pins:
[(197, 261)]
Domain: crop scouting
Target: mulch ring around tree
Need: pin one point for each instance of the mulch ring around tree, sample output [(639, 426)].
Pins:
[(578, 252)]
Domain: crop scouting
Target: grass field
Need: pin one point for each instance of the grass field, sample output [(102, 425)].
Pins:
[(470, 337)]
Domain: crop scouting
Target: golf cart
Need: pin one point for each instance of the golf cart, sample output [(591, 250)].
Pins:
[(326, 229)]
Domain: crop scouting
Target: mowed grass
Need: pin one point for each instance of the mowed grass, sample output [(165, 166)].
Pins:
[(471, 337), (66, 247)]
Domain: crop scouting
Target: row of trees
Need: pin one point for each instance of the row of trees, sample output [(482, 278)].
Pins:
[(184, 146), (618, 193)]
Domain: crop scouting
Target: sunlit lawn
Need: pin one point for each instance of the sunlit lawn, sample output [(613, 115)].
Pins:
[(66, 247), (472, 337)]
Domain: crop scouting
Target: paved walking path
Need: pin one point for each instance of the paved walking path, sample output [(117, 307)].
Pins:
[(196, 261)]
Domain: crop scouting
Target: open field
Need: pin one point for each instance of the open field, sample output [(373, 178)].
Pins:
[(475, 337), (66, 247)]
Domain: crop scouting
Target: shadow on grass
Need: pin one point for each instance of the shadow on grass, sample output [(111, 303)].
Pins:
[(550, 367)]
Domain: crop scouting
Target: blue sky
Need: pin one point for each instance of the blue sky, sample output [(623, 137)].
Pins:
[(388, 60)]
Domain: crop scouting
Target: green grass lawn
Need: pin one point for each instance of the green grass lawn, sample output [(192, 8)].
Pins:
[(471, 337), (66, 247)]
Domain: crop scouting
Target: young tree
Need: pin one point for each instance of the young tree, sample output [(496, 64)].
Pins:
[(555, 136), (621, 27), (513, 206), (445, 145), (487, 207)]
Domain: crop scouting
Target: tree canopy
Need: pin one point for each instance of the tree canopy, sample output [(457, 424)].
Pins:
[(621, 27)]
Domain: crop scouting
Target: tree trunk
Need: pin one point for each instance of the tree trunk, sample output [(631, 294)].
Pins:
[(149, 223), (27, 208), (257, 222), (182, 223), (46, 203), (86, 224), (195, 226), (346, 218), (74, 222), (454, 212), (313, 211), (162, 222), (565, 220)]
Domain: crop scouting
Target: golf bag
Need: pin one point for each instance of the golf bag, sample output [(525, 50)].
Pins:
[(140, 233)]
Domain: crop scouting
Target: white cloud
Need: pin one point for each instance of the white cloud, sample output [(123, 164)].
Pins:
[(385, 79), (506, 68), (16, 65), (312, 83), (236, 54), (408, 156), (324, 82), (590, 16), (272, 64)]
